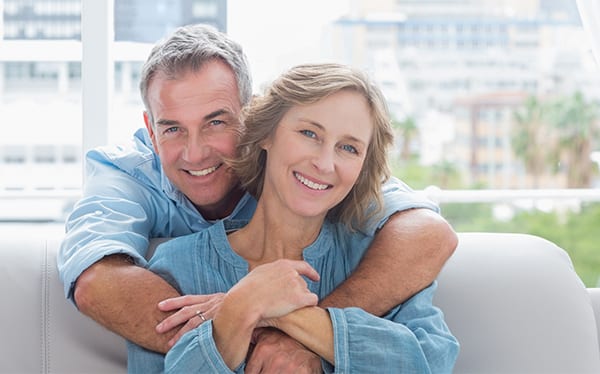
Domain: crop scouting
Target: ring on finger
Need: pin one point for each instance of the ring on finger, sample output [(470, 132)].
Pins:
[(199, 314)]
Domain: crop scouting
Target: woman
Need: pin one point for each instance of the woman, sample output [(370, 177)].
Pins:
[(314, 154)]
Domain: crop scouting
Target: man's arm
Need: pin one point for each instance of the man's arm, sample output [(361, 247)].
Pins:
[(405, 256), (123, 298)]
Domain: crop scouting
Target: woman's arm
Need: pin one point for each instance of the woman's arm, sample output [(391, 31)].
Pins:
[(312, 327), (413, 337)]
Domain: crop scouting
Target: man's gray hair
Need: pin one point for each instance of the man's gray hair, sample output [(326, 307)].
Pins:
[(187, 49)]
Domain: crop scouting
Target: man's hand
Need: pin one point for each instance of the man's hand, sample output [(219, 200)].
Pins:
[(275, 352), (186, 315)]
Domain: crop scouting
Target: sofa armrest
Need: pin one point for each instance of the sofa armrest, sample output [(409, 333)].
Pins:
[(516, 305), (43, 332), (595, 300)]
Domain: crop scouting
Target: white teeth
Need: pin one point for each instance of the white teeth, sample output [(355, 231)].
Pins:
[(200, 173), (309, 184)]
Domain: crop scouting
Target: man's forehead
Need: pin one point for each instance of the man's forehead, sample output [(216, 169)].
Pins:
[(207, 92)]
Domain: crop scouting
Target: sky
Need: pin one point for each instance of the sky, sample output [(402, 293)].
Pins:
[(278, 34)]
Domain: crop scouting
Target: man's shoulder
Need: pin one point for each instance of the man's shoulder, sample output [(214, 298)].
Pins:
[(135, 158), (128, 154)]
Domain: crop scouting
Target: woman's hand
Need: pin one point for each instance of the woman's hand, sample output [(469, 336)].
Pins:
[(269, 291), (277, 288), (189, 308)]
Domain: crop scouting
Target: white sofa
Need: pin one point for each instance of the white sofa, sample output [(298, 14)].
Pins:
[(513, 301)]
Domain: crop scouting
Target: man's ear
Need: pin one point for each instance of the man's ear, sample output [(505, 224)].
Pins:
[(150, 128)]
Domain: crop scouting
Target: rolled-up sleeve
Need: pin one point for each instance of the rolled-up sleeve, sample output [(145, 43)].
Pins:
[(412, 338), (114, 216), (398, 197)]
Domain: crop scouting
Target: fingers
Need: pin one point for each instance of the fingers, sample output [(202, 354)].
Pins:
[(191, 324), (194, 321), (186, 300), (182, 316), (303, 268), (187, 314)]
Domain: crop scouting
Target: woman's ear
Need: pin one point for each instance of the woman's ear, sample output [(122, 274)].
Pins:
[(266, 144)]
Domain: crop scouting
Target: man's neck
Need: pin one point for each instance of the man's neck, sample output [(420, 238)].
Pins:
[(224, 208)]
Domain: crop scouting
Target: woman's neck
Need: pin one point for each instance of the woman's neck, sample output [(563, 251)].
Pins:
[(273, 234)]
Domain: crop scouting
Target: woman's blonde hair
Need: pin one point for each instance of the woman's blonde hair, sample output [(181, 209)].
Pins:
[(307, 84)]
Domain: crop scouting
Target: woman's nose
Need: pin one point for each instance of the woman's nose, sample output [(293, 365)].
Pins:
[(324, 160)]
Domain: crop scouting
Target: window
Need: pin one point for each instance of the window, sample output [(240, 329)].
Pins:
[(463, 76)]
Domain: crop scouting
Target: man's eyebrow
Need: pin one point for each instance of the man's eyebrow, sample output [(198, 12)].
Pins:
[(216, 113), (208, 117), (167, 122)]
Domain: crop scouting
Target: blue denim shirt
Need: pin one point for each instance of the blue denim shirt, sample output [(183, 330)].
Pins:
[(412, 338), (128, 199)]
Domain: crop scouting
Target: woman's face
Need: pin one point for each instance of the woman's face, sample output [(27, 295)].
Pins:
[(316, 153)]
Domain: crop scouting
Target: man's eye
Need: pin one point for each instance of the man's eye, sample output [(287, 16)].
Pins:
[(309, 133), (170, 130), (216, 122), (349, 148)]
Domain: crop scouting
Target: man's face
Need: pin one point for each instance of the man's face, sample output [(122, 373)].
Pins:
[(195, 124)]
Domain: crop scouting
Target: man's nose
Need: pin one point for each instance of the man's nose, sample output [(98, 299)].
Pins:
[(196, 148)]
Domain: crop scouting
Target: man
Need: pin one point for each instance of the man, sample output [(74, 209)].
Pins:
[(174, 180)]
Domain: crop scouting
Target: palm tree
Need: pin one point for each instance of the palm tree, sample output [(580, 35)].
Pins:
[(577, 123), (532, 139), (446, 173), (408, 131)]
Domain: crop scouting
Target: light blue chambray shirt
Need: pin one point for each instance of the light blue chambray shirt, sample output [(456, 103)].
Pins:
[(128, 199), (412, 338)]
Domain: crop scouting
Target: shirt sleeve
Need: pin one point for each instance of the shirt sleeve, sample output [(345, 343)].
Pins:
[(196, 352), (412, 338), (114, 216), (397, 197)]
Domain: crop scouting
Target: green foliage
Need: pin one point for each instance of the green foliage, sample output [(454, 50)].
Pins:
[(443, 174), (417, 176), (530, 138), (565, 130), (576, 233)]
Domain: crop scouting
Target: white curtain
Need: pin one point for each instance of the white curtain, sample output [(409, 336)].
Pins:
[(589, 11)]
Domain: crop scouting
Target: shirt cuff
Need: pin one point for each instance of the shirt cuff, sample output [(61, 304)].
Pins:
[(340, 340), (80, 261)]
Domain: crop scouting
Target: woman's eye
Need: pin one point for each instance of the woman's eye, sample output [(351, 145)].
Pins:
[(349, 148), (310, 134)]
